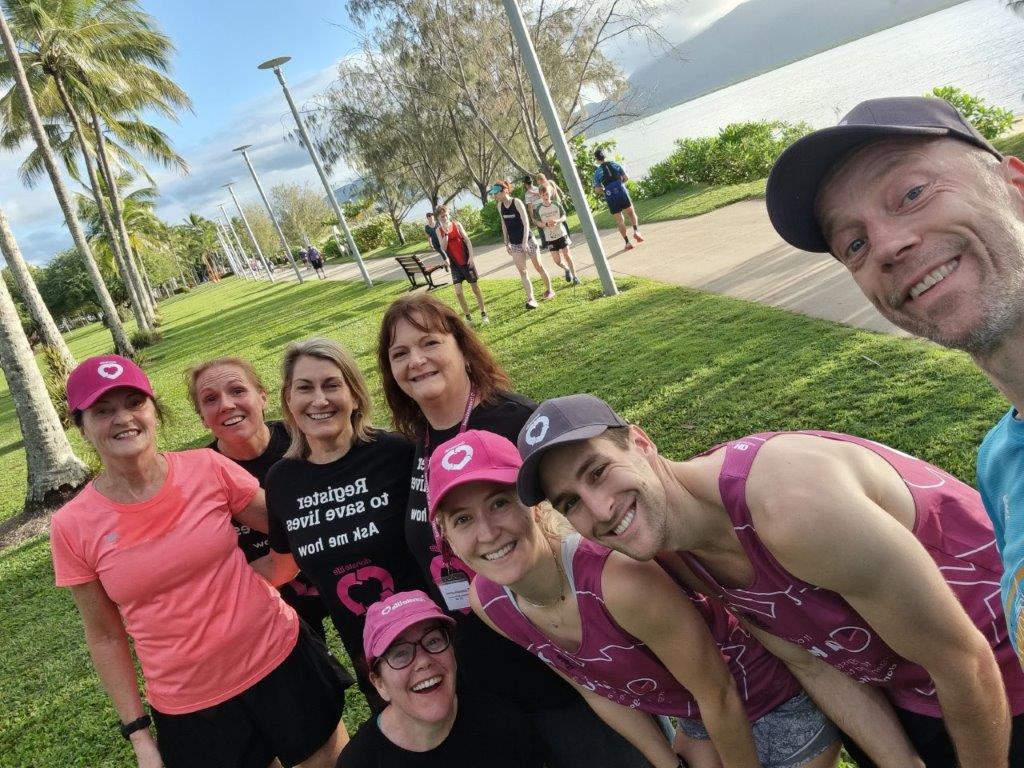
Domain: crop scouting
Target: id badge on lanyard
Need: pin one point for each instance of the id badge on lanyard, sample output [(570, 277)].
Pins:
[(453, 584)]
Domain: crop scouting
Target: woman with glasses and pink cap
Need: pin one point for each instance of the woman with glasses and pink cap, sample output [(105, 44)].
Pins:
[(631, 640), (149, 551), (407, 641)]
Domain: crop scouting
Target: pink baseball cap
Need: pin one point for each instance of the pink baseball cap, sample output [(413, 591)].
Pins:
[(472, 455), (97, 375), (387, 619)]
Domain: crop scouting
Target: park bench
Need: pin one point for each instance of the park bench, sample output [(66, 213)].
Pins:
[(425, 264)]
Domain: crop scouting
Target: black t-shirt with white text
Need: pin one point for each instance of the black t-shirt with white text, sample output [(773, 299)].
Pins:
[(252, 542), (486, 731), (343, 524), (524, 679)]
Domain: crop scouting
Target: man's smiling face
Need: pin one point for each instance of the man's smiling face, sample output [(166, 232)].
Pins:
[(932, 231)]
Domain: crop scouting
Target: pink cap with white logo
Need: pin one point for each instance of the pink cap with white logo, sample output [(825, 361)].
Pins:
[(387, 619), (470, 456), (97, 375)]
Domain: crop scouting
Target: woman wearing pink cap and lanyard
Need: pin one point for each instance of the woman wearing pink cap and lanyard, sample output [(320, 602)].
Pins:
[(629, 638), (149, 551), (408, 641), (439, 379)]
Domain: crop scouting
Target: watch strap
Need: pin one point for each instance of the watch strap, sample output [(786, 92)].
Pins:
[(127, 729)]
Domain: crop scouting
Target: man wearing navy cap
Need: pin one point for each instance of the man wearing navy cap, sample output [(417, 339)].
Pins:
[(928, 217)]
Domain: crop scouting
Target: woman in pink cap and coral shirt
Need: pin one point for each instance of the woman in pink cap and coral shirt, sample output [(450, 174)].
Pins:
[(149, 552)]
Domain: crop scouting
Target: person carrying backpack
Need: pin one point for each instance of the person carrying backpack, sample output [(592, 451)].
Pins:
[(610, 180)]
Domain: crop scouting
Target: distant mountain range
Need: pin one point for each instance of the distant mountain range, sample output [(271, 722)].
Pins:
[(759, 36)]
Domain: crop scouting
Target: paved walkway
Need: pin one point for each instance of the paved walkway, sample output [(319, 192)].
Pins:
[(732, 251)]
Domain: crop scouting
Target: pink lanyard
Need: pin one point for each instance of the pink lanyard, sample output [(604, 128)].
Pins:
[(446, 550)]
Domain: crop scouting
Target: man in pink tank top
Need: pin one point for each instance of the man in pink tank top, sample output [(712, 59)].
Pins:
[(837, 552)]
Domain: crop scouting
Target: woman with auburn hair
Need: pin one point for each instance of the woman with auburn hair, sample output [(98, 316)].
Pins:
[(439, 379), (149, 551), (229, 396), (336, 500)]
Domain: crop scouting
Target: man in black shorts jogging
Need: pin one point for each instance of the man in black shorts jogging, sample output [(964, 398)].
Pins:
[(610, 180)]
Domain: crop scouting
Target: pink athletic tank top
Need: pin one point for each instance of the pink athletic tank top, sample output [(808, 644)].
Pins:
[(951, 524), (614, 664)]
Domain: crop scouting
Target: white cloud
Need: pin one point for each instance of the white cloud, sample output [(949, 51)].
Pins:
[(263, 122), (677, 21)]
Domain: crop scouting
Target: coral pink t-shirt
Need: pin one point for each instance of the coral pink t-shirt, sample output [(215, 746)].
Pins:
[(206, 626)]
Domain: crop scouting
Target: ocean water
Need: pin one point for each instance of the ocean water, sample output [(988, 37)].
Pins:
[(977, 46)]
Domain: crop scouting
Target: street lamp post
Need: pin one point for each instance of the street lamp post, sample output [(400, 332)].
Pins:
[(561, 146), (277, 225), (236, 242), (228, 254), (275, 64), (252, 237)]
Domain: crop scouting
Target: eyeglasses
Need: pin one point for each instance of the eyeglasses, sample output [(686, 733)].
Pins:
[(400, 655)]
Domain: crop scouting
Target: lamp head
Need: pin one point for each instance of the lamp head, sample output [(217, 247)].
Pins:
[(274, 63)]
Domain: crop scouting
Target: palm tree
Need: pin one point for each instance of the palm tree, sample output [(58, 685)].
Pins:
[(30, 295), (103, 58), (54, 471), (121, 342)]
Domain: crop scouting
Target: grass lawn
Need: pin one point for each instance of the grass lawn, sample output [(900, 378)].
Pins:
[(692, 368)]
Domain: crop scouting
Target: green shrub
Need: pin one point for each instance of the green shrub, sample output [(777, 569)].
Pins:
[(740, 152), (469, 216), (991, 122), (413, 231), (375, 232), (143, 339), (55, 376)]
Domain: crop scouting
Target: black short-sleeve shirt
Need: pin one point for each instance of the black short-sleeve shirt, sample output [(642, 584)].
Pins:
[(253, 543), (486, 732), (524, 680), (343, 524)]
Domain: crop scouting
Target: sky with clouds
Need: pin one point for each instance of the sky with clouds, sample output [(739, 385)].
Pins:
[(218, 46)]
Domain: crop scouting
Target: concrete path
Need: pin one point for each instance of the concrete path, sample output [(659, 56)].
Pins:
[(732, 251)]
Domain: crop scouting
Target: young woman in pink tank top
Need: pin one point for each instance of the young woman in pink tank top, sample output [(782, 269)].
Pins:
[(621, 631)]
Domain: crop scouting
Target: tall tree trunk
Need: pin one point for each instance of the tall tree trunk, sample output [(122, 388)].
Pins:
[(54, 472), (121, 341), (141, 320), (30, 295), (118, 216)]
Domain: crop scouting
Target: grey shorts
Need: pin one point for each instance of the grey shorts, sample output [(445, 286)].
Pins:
[(792, 734)]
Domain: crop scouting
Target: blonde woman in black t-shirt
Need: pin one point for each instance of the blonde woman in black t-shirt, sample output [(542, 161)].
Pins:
[(336, 501), (440, 379)]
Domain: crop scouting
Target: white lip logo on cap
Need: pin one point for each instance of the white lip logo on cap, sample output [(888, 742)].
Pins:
[(110, 370), (533, 436), (448, 460)]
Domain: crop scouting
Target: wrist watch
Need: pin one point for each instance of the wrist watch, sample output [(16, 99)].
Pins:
[(127, 729)]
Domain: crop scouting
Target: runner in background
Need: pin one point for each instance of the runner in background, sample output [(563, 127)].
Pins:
[(338, 497), (316, 261), (519, 242), (408, 641), (230, 399), (439, 379), (455, 244), (610, 180), (551, 215), (430, 229), (623, 632)]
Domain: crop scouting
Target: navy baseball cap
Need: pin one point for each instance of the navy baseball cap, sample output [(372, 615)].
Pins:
[(797, 174), (555, 422)]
